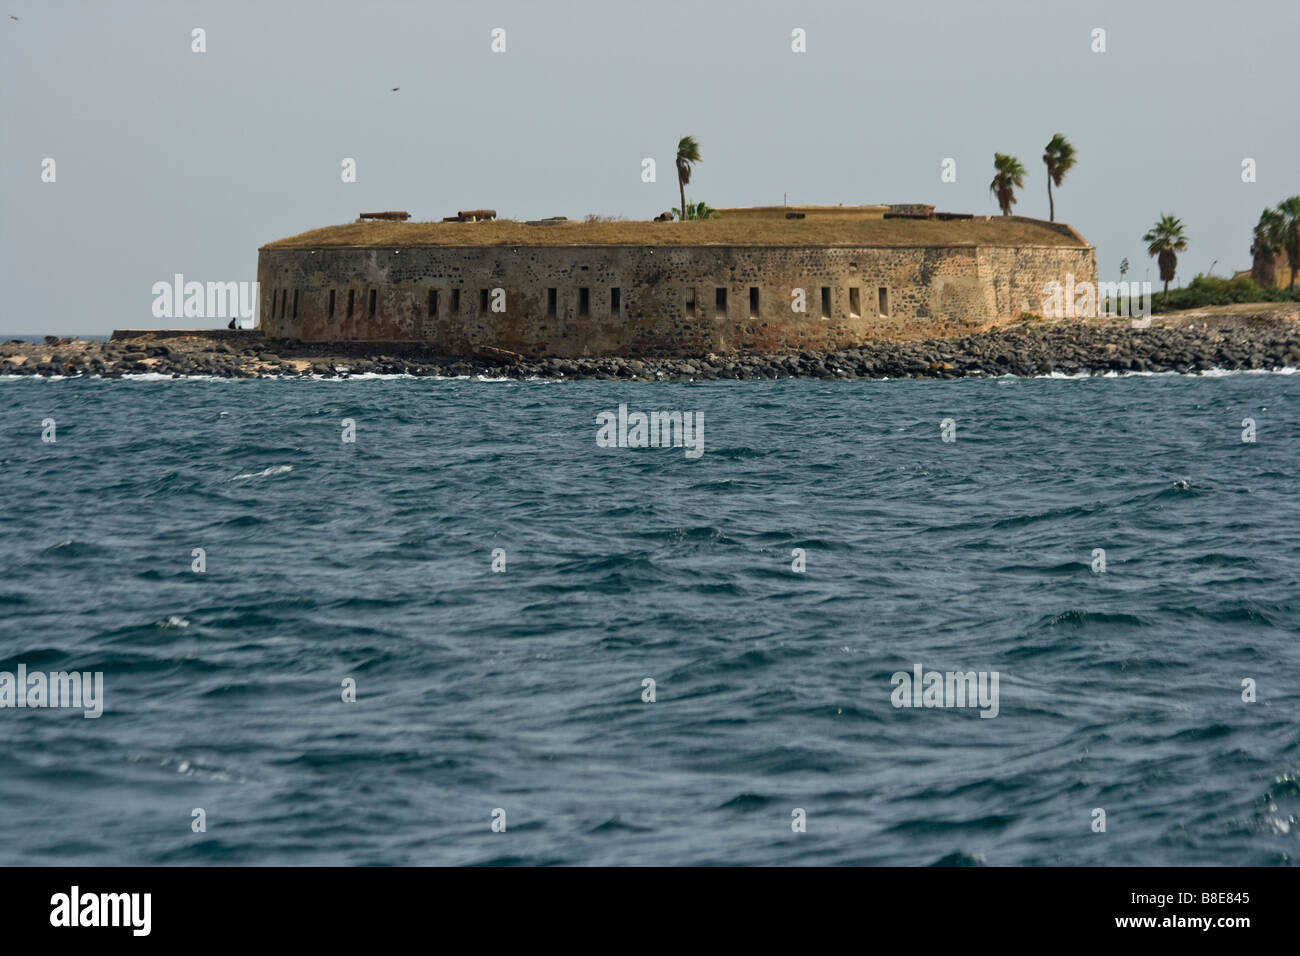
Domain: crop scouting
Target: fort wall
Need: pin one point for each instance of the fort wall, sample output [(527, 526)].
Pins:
[(593, 300)]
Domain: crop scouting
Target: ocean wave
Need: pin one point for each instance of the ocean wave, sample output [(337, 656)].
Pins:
[(369, 568), (270, 472)]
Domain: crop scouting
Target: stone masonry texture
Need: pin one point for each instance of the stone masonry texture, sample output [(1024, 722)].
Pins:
[(643, 300)]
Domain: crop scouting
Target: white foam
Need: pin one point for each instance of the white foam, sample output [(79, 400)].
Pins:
[(266, 472), (1207, 373)]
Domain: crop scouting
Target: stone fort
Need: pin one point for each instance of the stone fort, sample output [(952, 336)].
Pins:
[(758, 278)]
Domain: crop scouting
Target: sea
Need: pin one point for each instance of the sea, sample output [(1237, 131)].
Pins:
[(412, 621)]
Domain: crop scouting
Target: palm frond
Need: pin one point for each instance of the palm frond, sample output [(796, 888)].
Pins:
[(1060, 157), (688, 150)]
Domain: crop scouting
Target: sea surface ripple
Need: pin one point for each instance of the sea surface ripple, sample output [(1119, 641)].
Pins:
[(522, 690)]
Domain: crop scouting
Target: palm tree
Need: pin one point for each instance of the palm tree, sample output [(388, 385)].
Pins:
[(1165, 240), (688, 154), (1269, 239), (1060, 159), (1010, 177), (1290, 208)]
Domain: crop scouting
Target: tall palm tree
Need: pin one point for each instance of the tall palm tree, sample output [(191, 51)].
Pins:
[(1060, 159), (1165, 240), (1290, 208), (688, 154), (1010, 177), (1269, 239)]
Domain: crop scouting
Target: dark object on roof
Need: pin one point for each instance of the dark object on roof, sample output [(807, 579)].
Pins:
[(475, 215), (394, 215), (665, 216)]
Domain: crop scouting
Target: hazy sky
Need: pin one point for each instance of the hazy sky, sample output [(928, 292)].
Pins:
[(173, 161)]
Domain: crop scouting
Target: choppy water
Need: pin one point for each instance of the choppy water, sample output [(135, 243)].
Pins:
[(522, 690)]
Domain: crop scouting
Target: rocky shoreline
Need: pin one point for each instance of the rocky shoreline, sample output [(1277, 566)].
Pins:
[(1187, 343)]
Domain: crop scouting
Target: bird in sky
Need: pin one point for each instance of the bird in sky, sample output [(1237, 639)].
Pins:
[(12, 17), (396, 88)]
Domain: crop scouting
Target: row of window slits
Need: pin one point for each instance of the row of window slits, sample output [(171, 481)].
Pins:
[(484, 301), (827, 310), (280, 300), (280, 297), (552, 301)]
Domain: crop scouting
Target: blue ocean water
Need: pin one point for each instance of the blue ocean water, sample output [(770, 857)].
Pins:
[(522, 690)]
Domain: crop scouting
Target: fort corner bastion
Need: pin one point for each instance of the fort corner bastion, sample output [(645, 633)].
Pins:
[(565, 288)]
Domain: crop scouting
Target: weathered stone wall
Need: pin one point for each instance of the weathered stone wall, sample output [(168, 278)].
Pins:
[(667, 300)]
